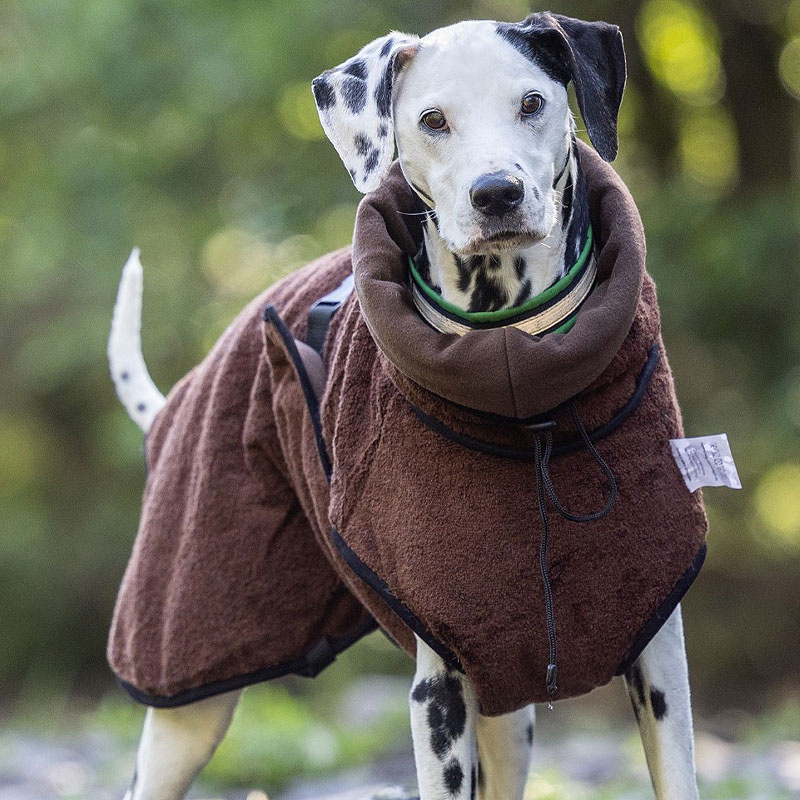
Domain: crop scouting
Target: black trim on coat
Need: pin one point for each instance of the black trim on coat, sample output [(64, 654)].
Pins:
[(381, 588), (562, 448), (663, 612), (321, 655), (272, 316)]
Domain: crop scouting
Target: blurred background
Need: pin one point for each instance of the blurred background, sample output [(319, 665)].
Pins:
[(188, 129)]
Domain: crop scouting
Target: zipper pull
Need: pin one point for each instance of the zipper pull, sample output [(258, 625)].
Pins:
[(552, 679)]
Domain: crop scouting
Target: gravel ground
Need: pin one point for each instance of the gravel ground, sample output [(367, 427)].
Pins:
[(90, 766)]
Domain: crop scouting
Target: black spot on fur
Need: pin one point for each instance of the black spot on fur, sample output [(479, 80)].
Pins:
[(362, 143), (494, 263), (636, 683), (354, 92), (476, 262), (481, 776), (427, 197), (487, 294), (519, 266), (423, 265), (578, 218), (323, 93), (387, 47), (464, 274), (523, 294), (532, 41), (473, 783), (383, 92), (658, 703), (358, 68), (141, 407), (453, 776), (447, 714), (529, 733), (125, 376), (566, 204), (371, 162), (382, 130), (365, 148)]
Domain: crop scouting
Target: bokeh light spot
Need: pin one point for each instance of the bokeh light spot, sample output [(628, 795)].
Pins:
[(793, 16), (789, 67), (709, 149), (298, 114), (680, 44), (777, 501), (22, 453)]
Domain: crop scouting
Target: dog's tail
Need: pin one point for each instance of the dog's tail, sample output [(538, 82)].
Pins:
[(135, 387)]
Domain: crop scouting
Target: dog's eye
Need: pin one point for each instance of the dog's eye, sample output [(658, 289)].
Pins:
[(531, 103), (434, 119)]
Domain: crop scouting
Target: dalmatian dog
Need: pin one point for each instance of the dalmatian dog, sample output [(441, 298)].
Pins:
[(479, 114)]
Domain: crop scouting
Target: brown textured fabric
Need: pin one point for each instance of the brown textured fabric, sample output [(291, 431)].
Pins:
[(247, 558)]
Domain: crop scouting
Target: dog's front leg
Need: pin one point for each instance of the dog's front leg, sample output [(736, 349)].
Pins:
[(176, 743), (658, 684), (504, 751), (444, 710)]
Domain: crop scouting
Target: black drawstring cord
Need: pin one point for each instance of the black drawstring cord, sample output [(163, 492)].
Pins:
[(545, 489), (552, 669)]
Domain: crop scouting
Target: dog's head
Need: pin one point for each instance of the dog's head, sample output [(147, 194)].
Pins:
[(480, 116)]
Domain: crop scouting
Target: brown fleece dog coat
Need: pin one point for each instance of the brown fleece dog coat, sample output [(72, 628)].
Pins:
[(286, 510)]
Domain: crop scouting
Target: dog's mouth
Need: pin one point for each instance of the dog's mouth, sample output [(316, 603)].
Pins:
[(502, 240)]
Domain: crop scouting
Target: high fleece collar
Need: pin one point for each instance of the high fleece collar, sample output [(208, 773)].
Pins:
[(501, 371)]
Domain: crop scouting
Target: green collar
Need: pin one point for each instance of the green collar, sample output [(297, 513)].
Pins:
[(552, 311)]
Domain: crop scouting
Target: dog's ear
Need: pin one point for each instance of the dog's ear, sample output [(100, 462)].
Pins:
[(591, 54), (354, 101)]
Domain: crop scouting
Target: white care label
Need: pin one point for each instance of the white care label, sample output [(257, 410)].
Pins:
[(706, 461)]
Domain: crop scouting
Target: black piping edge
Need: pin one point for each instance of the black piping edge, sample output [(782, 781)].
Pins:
[(642, 383), (663, 612), (322, 655), (381, 588), (528, 454), (272, 316)]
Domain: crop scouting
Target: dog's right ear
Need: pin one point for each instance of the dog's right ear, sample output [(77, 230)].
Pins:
[(354, 101)]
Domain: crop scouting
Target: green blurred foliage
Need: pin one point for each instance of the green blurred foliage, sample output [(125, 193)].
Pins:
[(187, 128)]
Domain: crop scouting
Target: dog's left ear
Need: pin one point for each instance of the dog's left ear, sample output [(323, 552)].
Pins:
[(591, 54), (354, 101)]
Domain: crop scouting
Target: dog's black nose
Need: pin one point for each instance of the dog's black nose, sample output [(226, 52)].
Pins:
[(496, 194)]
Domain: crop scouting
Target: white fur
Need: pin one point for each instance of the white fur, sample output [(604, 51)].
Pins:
[(176, 743), (135, 387), (669, 742), (477, 80), (342, 125), (463, 751)]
